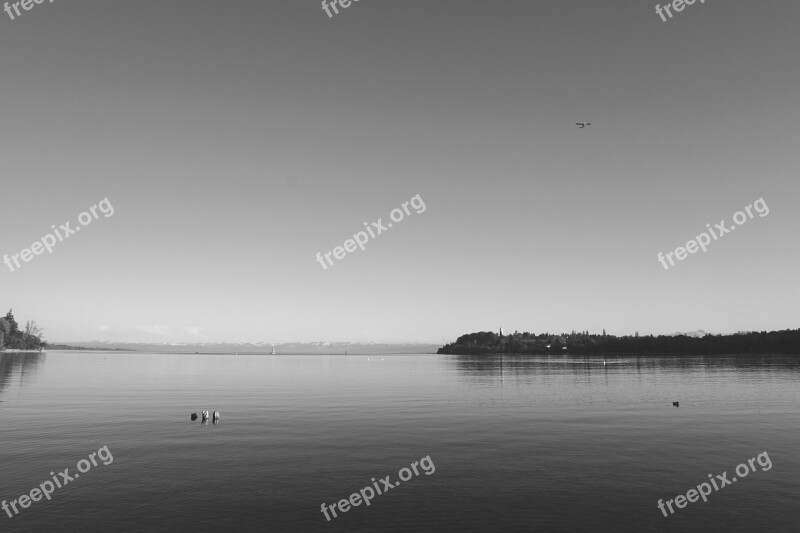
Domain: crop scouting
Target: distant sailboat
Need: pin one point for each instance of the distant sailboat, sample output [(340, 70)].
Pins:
[(273, 351)]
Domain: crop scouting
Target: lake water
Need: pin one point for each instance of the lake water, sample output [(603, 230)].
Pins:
[(518, 443)]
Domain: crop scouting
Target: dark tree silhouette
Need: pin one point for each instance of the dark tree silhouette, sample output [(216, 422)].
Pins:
[(772, 342), (12, 337)]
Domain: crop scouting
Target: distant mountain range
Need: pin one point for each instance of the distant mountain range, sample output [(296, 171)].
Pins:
[(320, 348)]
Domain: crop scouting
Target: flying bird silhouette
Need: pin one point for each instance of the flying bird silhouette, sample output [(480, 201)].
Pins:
[(583, 124)]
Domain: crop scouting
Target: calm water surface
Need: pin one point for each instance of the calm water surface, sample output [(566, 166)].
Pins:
[(518, 443)]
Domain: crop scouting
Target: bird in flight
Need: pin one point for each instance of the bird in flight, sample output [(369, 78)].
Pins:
[(583, 124)]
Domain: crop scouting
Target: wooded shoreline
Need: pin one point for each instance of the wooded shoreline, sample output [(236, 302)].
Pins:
[(785, 342)]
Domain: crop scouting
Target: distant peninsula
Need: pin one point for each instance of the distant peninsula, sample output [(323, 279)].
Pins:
[(68, 347), (584, 343)]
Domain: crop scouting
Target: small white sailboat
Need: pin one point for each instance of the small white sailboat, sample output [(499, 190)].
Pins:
[(273, 351)]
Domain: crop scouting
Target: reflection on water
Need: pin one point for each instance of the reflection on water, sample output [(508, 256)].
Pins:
[(25, 365), (521, 443), (506, 366)]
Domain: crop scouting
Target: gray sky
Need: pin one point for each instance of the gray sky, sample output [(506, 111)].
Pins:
[(236, 140)]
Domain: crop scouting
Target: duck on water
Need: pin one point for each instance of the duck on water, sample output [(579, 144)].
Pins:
[(214, 417)]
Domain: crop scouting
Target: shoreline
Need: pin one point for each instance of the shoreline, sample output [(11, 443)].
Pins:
[(621, 354)]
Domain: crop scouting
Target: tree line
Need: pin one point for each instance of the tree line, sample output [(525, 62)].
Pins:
[(14, 338), (584, 343)]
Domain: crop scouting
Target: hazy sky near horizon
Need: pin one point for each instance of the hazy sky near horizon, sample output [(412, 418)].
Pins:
[(236, 140)]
